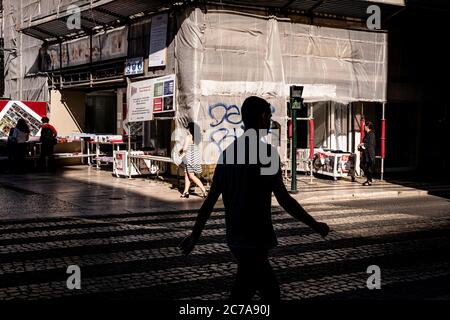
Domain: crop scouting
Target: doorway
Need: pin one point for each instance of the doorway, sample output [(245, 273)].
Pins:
[(101, 113)]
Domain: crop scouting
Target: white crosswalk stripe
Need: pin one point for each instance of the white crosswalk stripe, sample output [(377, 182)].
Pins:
[(183, 225), (55, 244)]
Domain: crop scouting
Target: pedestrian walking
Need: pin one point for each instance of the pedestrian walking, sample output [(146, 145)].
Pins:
[(191, 159), (367, 147), (247, 193)]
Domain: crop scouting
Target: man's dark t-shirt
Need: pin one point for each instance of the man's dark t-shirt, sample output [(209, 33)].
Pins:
[(247, 195)]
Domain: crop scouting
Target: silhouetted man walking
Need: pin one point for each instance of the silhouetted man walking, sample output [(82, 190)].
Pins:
[(246, 175)]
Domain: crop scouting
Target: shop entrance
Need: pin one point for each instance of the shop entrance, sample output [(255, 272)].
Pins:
[(101, 112)]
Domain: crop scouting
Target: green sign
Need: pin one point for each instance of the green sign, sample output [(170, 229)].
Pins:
[(296, 104)]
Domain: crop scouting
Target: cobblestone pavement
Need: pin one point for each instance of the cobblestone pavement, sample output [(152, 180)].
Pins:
[(135, 255)]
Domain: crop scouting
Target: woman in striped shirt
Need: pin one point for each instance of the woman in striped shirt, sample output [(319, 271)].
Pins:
[(191, 161)]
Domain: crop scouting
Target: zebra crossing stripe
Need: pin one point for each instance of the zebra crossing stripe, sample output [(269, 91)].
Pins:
[(58, 244), (47, 245), (160, 253), (369, 231), (182, 225), (151, 216), (140, 255)]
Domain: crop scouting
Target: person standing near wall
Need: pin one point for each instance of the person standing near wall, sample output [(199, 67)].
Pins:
[(48, 141), (367, 147)]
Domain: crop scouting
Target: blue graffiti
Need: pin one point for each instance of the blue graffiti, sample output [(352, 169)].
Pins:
[(227, 133), (230, 112), (272, 109), (231, 115)]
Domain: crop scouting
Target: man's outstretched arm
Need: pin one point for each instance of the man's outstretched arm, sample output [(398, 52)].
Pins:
[(188, 243), (295, 209)]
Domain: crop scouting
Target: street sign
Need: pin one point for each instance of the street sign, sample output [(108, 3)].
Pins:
[(296, 103), (134, 66)]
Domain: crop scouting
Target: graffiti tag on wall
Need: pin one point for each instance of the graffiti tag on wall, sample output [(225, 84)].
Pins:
[(222, 114)]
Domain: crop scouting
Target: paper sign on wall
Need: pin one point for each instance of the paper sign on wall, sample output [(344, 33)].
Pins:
[(158, 40), (151, 96), (141, 101)]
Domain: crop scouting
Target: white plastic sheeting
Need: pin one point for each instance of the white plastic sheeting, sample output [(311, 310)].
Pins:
[(223, 57), (22, 56), (41, 8), (21, 66), (352, 61), (22, 81)]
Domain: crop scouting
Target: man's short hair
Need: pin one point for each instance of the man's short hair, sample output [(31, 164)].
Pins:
[(252, 108), (45, 120)]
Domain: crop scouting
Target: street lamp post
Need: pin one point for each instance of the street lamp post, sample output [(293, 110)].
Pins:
[(296, 103)]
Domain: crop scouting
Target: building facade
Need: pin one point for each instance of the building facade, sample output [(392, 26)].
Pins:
[(75, 54)]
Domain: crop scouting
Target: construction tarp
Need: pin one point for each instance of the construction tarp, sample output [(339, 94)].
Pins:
[(40, 8), (224, 56), (22, 78)]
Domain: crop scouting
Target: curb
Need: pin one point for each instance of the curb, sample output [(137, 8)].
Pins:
[(365, 195)]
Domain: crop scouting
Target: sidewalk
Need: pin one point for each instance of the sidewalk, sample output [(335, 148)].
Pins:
[(82, 190), (321, 190)]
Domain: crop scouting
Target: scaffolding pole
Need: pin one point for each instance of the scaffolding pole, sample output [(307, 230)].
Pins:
[(311, 142)]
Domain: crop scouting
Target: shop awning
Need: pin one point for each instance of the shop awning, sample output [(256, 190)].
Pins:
[(98, 14), (94, 15)]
